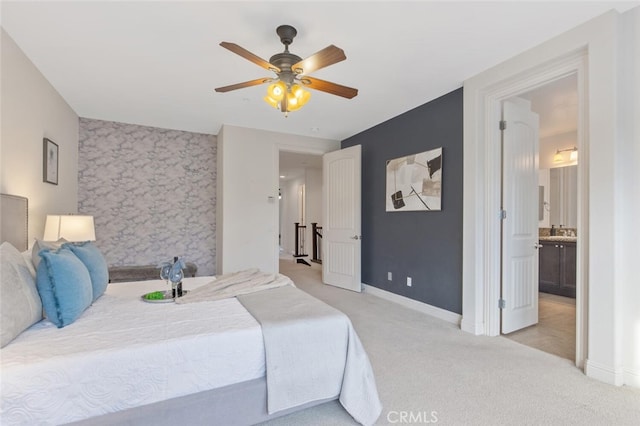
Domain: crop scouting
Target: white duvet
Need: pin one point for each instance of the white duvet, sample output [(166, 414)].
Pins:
[(124, 352)]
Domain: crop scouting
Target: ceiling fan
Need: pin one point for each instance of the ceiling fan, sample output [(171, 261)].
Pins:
[(286, 92)]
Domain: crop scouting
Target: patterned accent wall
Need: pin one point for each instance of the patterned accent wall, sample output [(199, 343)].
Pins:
[(152, 192)]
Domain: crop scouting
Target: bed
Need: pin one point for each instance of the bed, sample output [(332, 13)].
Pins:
[(234, 361)]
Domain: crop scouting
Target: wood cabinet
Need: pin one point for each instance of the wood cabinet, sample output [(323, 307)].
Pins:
[(557, 268)]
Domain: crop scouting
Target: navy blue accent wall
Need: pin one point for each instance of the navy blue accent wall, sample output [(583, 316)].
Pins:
[(426, 246)]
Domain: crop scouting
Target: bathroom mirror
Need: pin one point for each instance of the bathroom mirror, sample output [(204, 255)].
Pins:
[(563, 192), (541, 202)]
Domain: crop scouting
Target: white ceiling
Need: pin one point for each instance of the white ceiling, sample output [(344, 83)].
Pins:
[(557, 105), (294, 164), (157, 63)]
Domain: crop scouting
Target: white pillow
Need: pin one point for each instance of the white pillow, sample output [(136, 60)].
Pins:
[(39, 245), (28, 259), (20, 304)]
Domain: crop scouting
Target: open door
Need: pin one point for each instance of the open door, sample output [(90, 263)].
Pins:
[(341, 218), (520, 216)]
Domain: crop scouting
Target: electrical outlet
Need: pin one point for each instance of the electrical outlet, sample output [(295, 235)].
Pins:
[(389, 276), (408, 281)]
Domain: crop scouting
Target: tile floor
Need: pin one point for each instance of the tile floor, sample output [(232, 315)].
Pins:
[(556, 330)]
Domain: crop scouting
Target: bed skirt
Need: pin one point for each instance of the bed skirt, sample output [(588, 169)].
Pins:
[(240, 404)]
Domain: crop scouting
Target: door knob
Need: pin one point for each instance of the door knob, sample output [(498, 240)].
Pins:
[(355, 237), (537, 246)]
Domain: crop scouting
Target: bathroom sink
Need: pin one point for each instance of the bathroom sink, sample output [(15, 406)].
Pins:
[(562, 238)]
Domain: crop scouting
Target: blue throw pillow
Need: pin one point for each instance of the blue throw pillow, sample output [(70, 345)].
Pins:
[(64, 286), (95, 262)]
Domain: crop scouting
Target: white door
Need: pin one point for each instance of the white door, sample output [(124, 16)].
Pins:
[(341, 218), (520, 226)]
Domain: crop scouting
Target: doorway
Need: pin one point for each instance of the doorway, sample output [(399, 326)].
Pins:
[(300, 202), (556, 104), (481, 274)]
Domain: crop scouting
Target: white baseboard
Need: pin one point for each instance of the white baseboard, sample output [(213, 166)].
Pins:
[(604, 373), (632, 378), (476, 328), (434, 311)]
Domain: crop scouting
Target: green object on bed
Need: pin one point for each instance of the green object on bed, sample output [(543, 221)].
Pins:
[(156, 295)]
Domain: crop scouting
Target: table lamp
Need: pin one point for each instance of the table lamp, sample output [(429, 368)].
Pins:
[(73, 228)]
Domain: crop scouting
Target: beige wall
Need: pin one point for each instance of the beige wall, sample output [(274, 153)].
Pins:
[(31, 109), (628, 200), (313, 188), (290, 212)]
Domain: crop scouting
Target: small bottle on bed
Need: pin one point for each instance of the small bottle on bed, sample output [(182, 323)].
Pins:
[(177, 286)]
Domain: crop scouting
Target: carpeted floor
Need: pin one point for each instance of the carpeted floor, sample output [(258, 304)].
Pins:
[(430, 372)]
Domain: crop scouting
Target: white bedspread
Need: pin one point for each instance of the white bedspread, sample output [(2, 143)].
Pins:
[(312, 353), (123, 352), (236, 284)]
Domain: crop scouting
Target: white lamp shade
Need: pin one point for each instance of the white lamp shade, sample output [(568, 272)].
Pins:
[(73, 228)]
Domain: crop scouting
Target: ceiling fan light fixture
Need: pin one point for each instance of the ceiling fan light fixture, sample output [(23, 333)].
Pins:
[(277, 90), (302, 96), (292, 108), (293, 104), (268, 99), (285, 92), (286, 99), (306, 95), (296, 91), (297, 98)]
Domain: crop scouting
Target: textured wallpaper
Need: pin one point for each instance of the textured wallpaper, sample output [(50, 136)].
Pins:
[(152, 192)]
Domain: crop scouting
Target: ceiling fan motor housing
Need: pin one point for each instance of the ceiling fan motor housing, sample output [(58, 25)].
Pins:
[(284, 61), (286, 33)]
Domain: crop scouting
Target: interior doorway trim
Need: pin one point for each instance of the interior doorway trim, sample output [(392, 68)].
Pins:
[(282, 147), (490, 100)]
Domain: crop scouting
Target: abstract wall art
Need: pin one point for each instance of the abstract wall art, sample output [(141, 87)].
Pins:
[(414, 182)]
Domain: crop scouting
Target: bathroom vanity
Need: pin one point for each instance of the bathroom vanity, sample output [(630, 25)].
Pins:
[(557, 265)]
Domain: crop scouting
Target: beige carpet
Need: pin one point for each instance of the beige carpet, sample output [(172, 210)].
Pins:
[(427, 369)]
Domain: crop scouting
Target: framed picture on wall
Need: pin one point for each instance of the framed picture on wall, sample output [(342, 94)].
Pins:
[(414, 182), (50, 161)]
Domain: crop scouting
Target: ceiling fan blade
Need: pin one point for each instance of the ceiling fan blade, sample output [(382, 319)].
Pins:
[(327, 86), (243, 85), (249, 56), (327, 56)]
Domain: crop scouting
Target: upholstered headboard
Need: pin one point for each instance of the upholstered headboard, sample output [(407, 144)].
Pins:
[(14, 221)]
